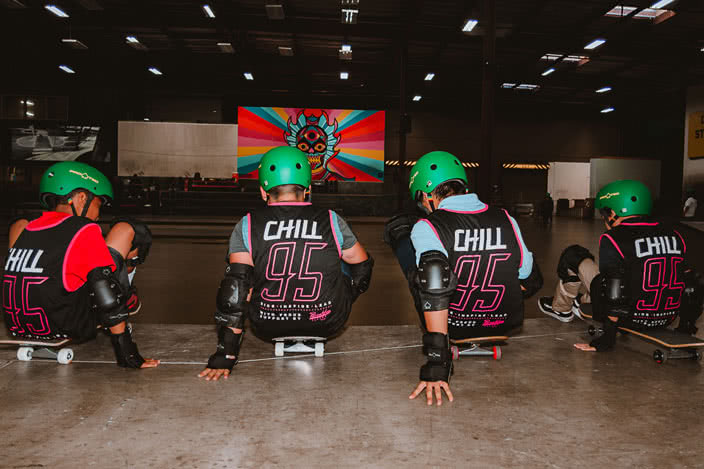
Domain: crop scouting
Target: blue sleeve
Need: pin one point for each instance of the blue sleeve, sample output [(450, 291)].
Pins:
[(527, 265), (239, 241), (424, 239), (342, 231)]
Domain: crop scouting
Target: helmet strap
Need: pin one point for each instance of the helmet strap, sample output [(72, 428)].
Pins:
[(89, 200)]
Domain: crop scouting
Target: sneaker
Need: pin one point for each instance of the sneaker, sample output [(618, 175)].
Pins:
[(576, 304), (545, 305)]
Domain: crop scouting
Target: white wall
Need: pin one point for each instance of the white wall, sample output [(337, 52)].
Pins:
[(169, 149), (693, 170), (568, 180), (606, 170)]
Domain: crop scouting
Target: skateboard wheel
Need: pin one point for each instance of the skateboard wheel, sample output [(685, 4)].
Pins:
[(497, 352), (455, 352), (24, 354), (65, 356), (659, 356), (279, 349), (319, 349), (591, 331)]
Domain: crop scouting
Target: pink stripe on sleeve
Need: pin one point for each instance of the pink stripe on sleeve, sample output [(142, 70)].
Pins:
[(515, 233), (682, 239), (432, 228), (612, 242)]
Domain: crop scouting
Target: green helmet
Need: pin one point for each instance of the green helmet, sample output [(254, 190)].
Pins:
[(284, 165), (432, 169), (64, 177), (625, 198)]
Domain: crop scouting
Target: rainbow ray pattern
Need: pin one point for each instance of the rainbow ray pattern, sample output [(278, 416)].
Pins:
[(342, 144)]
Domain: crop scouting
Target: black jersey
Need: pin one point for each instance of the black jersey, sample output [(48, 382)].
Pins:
[(653, 263), (299, 287), (484, 251), (36, 303)]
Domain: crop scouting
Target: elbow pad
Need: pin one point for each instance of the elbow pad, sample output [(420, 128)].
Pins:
[(361, 275), (434, 281), (534, 282), (107, 296), (231, 299)]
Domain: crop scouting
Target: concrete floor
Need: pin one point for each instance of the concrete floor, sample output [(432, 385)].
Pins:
[(545, 404)]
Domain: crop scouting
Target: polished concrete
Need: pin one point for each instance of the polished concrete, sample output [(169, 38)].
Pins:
[(545, 404)]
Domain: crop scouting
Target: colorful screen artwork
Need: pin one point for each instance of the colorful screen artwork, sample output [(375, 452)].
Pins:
[(341, 144)]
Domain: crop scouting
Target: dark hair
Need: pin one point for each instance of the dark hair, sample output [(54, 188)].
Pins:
[(53, 200), (278, 191), (448, 188)]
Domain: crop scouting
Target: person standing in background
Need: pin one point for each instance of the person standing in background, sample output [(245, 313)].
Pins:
[(690, 205)]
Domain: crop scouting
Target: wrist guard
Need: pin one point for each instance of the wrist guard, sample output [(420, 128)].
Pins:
[(228, 350), (126, 352), (436, 347), (607, 340)]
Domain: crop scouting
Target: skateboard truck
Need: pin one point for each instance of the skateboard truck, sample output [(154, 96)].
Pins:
[(478, 346), (299, 344)]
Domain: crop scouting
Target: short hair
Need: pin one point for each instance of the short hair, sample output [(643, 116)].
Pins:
[(54, 200), (277, 191), (448, 188)]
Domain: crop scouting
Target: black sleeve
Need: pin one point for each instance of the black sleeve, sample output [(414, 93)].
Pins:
[(610, 259)]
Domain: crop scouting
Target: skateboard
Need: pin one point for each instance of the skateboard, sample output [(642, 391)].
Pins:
[(53, 349), (671, 344), (299, 344), (473, 346)]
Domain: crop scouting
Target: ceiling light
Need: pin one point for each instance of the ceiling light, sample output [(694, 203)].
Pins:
[(286, 51), (344, 75), (620, 11), (30, 103), (547, 72), (208, 11), (248, 76), (226, 47), (66, 69), (606, 110), (345, 52), (346, 48), (155, 71), (417, 98), (146, 119), (132, 40), (29, 114), (604, 89), (57, 11), (551, 57), (74, 43), (594, 44), (349, 15), (508, 85), (469, 25), (275, 11), (527, 86), (660, 4), (429, 77)]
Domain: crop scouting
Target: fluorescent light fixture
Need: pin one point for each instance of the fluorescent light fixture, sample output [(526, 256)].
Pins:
[(344, 75), (575, 58), (57, 11), (607, 110), (660, 4), (551, 57), (275, 10), (226, 47), (132, 40), (346, 48), (155, 71), (349, 15), (604, 89), (527, 86), (29, 114), (30, 103), (286, 51), (620, 11), (74, 43), (594, 44), (701, 50), (417, 98), (345, 52), (248, 76), (429, 77), (469, 25), (208, 11), (547, 72), (146, 119), (508, 85), (66, 69)]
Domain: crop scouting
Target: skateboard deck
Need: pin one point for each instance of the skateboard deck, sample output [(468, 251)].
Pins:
[(299, 344), (32, 348), (472, 346), (676, 344)]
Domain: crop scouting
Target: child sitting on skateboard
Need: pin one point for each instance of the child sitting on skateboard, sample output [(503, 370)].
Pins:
[(293, 269), (641, 281), (466, 263), (62, 279)]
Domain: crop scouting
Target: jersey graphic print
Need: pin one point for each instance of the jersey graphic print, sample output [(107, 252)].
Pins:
[(24, 318)]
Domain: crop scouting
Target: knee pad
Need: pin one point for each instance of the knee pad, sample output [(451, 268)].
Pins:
[(120, 268), (435, 281), (610, 297), (142, 240), (399, 227), (231, 299), (570, 259), (228, 351), (534, 282), (361, 275), (436, 347), (107, 297)]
